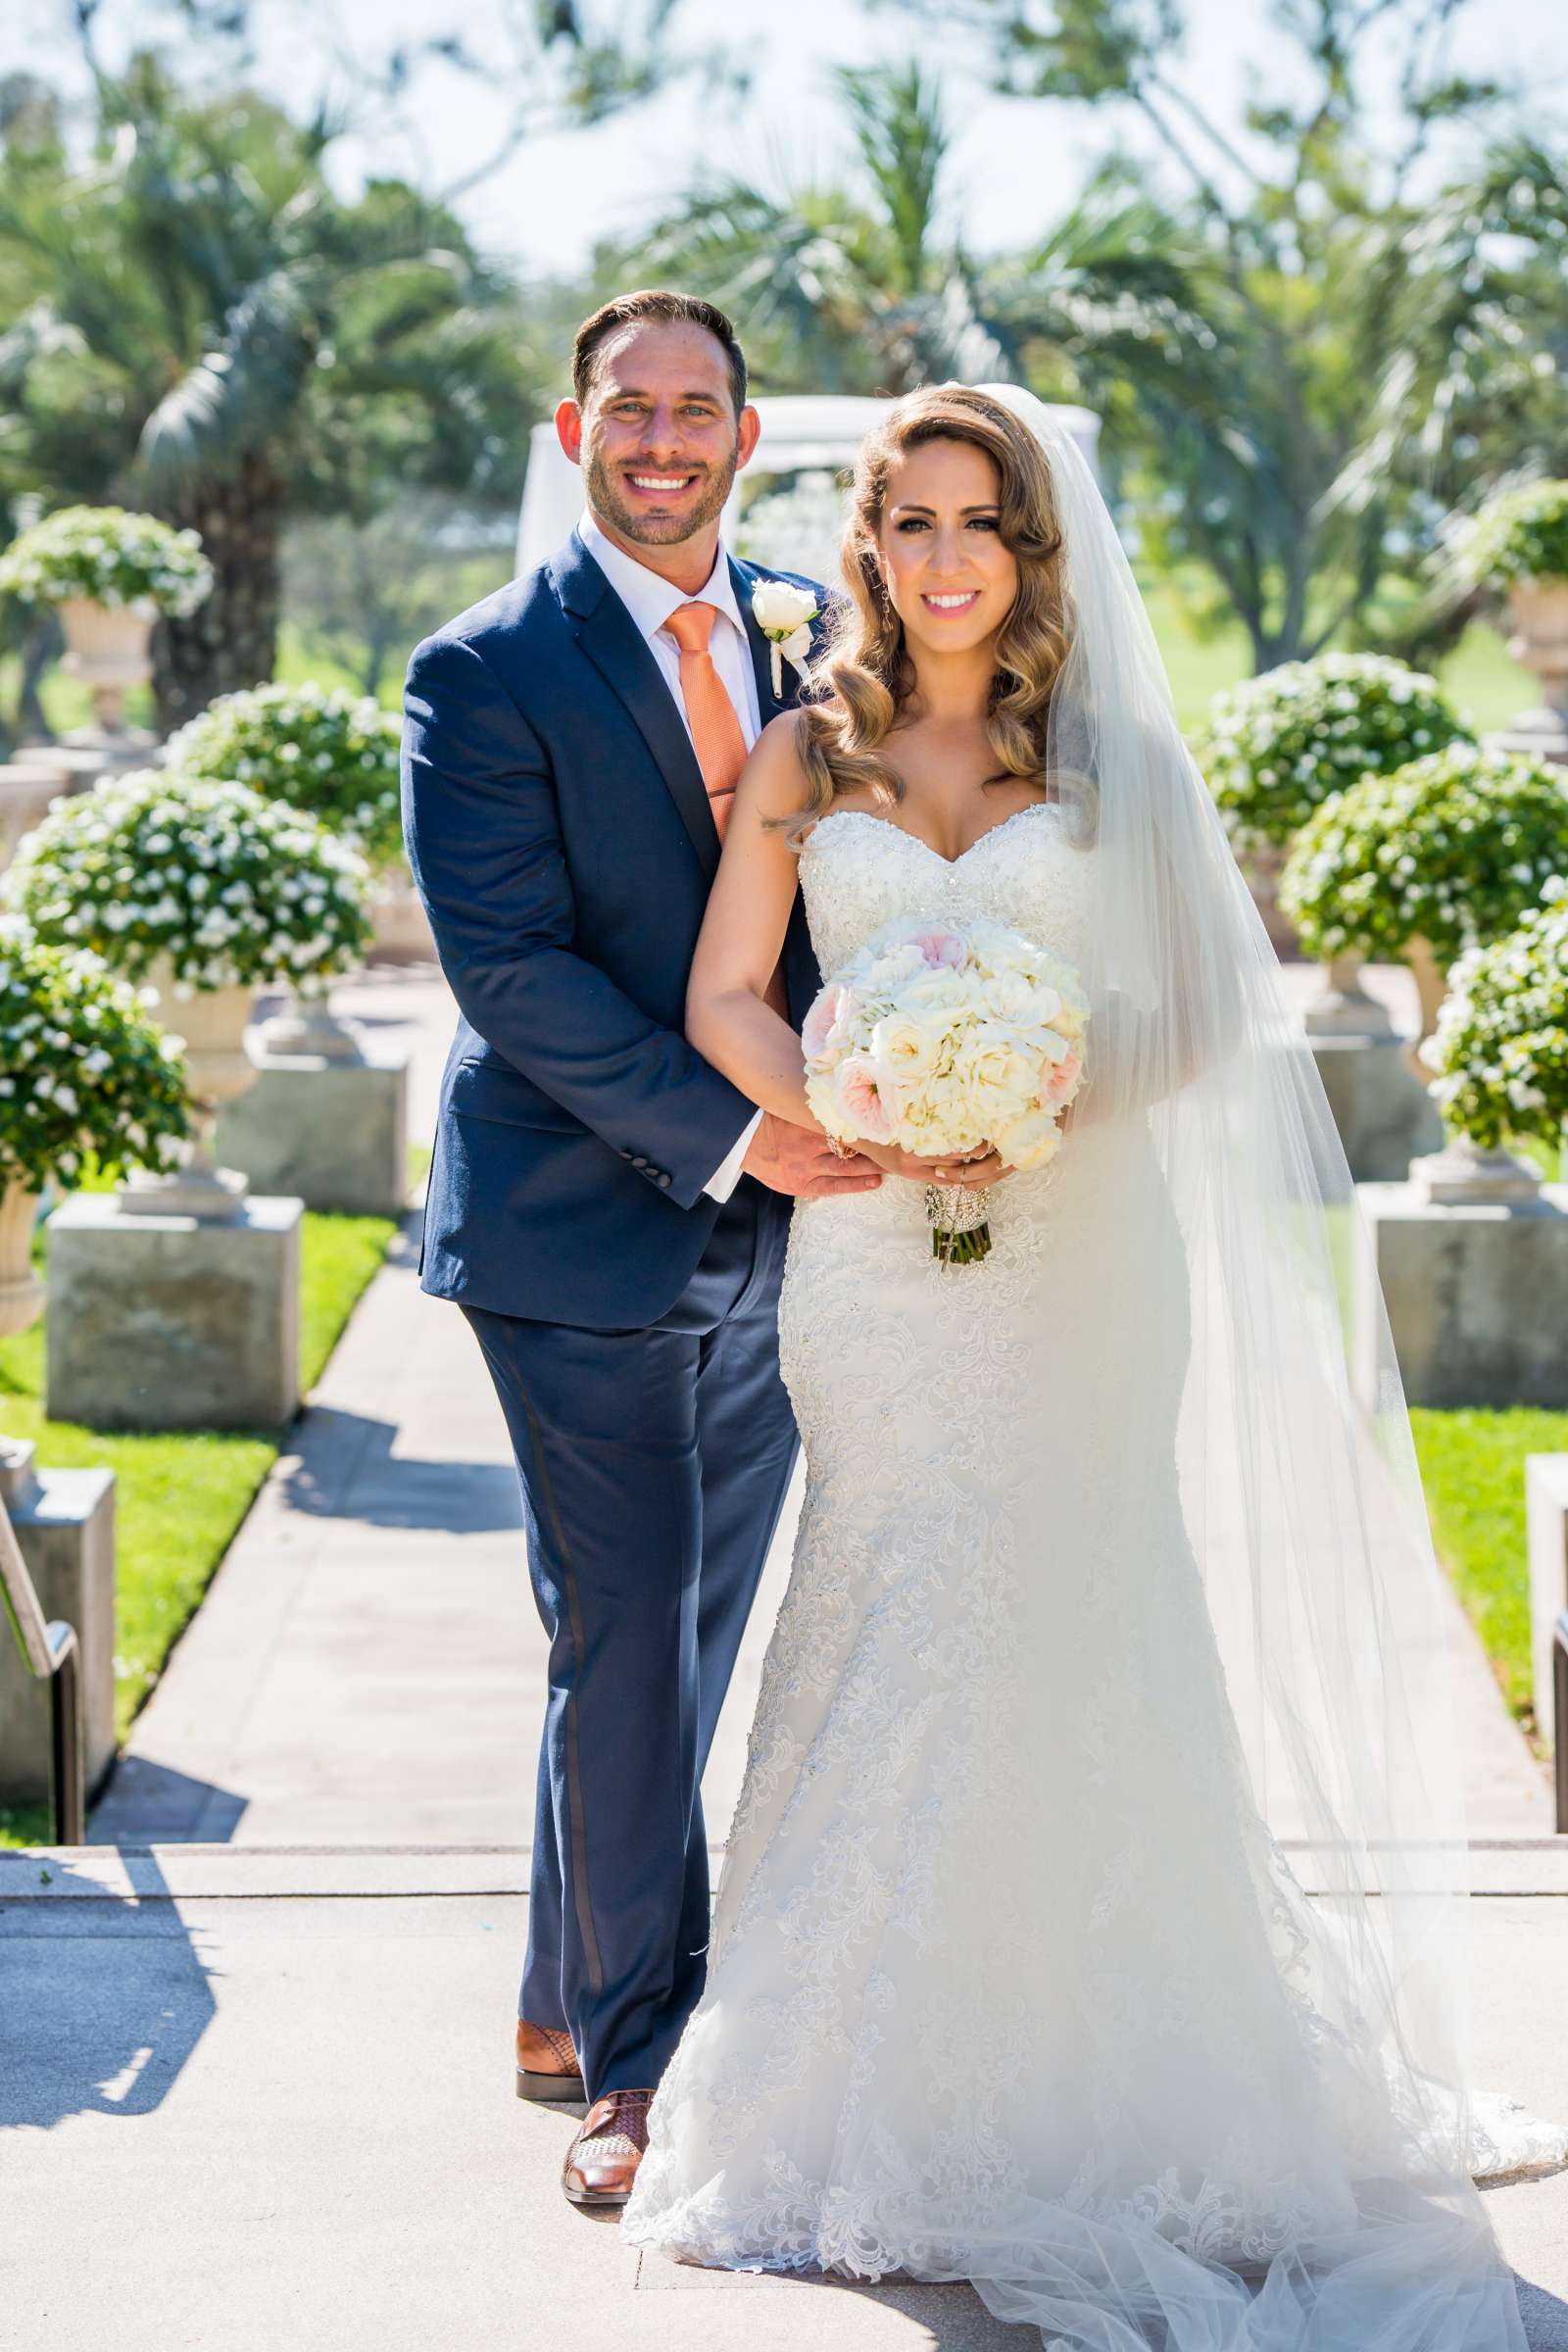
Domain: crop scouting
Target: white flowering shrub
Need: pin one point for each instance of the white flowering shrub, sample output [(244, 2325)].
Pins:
[(234, 889), (1521, 536), (1278, 745), (84, 1068), (1500, 1046), (1453, 849), (320, 748), (110, 557)]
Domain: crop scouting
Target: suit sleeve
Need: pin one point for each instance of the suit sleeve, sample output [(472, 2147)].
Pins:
[(483, 837)]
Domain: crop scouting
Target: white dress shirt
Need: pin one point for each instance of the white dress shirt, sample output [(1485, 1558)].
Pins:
[(651, 599)]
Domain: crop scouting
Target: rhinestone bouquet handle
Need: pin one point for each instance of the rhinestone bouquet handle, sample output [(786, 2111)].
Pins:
[(960, 1222)]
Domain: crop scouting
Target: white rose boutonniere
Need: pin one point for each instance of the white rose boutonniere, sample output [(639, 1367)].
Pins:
[(784, 614)]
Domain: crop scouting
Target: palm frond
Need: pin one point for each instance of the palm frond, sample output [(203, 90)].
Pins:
[(898, 129), (235, 393)]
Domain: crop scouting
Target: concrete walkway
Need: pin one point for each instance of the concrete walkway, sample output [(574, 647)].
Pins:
[(249, 2114), (295, 1977)]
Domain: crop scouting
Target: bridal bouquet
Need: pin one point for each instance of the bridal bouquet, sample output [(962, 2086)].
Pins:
[(948, 1037)]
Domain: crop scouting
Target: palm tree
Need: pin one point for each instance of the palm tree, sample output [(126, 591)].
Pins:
[(858, 289), (219, 337), (1245, 429), (1473, 394), (1356, 348)]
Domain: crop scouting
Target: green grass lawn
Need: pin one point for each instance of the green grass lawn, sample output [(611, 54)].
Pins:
[(1473, 1469), (179, 1499), (1478, 673)]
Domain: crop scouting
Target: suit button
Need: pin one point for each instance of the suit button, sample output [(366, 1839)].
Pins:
[(664, 1183), (639, 1163)]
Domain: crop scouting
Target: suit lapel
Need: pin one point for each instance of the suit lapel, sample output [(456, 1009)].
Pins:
[(618, 651)]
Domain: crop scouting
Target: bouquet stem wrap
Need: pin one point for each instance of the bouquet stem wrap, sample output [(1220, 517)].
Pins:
[(961, 1228)]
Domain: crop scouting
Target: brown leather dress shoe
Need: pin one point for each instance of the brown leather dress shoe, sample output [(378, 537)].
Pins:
[(546, 2063), (602, 2161)]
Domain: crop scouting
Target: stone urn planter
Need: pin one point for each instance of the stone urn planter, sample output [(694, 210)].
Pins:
[(308, 1027), (110, 649), (213, 1024), (1341, 1006), (400, 928), (22, 1294), (1537, 617), (1431, 988), (1459, 1167), (26, 788), (1261, 863), (1469, 1255), (22, 1299)]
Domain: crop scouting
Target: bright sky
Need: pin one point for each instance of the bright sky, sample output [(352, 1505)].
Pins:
[(1017, 163)]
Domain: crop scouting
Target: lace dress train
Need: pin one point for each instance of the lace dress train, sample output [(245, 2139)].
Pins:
[(1009, 1980)]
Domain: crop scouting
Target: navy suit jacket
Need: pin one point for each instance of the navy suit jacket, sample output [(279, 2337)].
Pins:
[(561, 841)]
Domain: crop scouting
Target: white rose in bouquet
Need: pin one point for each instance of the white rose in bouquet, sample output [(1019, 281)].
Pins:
[(948, 1037)]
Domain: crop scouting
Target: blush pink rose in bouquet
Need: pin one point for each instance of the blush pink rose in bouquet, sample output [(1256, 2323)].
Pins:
[(948, 1037)]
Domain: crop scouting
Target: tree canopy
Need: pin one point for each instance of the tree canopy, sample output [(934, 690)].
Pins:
[(200, 325)]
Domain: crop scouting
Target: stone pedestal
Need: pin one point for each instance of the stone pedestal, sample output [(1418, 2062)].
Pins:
[(118, 749), (1477, 1297), (26, 792), (65, 1525), (1343, 1007), (1547, 1516), (1263, 863), (1541, 734), (1538, 639), (334, 1131), (174, 1322), (1384, 1113)]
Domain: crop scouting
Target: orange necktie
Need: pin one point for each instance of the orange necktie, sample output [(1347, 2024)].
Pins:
[(716, 730)]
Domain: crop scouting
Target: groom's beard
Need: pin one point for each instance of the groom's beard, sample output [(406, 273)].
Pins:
[(660, 530)]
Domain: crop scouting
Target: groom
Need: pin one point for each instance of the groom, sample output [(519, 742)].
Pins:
[(609, 1212)]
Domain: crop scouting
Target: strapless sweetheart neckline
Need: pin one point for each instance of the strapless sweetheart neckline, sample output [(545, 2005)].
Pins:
[(839, 815)]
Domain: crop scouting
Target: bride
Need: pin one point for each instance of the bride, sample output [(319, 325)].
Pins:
[(1087, 1924)]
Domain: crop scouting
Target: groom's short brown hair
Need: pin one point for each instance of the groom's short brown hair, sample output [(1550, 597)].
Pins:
[(658, 305)]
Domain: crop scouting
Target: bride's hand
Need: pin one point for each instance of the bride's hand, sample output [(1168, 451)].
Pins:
[(971, 1168)]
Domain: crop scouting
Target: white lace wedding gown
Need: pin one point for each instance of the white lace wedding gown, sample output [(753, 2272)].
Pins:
[(1007, 1978)]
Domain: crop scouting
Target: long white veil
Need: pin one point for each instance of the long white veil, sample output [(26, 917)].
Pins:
[(1304, 1513), (1093, 1928)]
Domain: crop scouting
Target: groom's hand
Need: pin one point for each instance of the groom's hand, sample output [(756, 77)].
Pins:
[(792, 1160)]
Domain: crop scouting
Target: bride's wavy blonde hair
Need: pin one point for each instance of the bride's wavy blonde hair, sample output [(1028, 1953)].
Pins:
[(863, 676)]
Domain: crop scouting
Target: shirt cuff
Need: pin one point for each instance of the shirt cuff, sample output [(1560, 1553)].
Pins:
[(727, 1176)]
